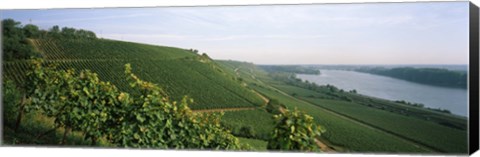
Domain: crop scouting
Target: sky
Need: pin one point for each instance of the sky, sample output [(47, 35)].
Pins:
[(372, 33)]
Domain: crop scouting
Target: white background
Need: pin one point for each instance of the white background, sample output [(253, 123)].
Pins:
[(85, 152)]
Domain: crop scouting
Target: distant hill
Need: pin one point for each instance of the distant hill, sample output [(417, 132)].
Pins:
[(180, 72), (430, 76)]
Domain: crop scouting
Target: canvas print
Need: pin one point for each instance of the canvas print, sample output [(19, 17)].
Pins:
[(324, 78)]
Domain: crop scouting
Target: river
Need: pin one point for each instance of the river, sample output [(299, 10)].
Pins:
[(452, 99)]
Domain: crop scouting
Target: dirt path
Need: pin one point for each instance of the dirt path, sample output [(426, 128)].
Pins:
[(225, 109), (324, 147)]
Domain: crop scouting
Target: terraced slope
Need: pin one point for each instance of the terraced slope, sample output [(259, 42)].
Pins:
[(352, 126), (180, 72)]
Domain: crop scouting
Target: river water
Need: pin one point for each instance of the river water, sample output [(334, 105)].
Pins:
[(453, 99)]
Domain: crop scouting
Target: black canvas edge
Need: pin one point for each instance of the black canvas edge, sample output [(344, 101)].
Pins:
[(473, 79)]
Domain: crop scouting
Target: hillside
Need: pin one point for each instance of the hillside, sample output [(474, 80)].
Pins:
[(429, 76), (180, 72), (356, 122)]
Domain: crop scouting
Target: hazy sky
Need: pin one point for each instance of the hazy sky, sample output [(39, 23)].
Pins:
[(374, 33)]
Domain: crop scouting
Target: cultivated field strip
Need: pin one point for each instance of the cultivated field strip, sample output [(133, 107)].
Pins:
[(434, 136)]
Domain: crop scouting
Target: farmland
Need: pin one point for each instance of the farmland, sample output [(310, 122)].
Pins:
[(178, 71), (340, 131)]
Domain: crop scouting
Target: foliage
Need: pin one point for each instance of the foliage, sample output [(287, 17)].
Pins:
[(77, 101), (295, 130), (14, 41), (31, 31), (16, 38), (154, 121)]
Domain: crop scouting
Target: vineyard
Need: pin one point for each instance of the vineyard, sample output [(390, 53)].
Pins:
[(148, 118), (437, 136), (180, 72), (74, 49)]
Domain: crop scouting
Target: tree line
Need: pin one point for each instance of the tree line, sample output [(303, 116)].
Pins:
[(298, 69), (16, 37)]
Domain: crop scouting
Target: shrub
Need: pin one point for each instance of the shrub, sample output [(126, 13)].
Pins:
[(294, 130)]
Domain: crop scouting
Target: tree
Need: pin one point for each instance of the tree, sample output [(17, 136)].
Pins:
[(54, 32), (84, 34), (55, 29), (11, 28), (247, 131), (11, 97), (31, 31), (294, 130)]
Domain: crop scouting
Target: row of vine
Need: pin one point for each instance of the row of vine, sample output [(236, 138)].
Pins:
[(143, 119)]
